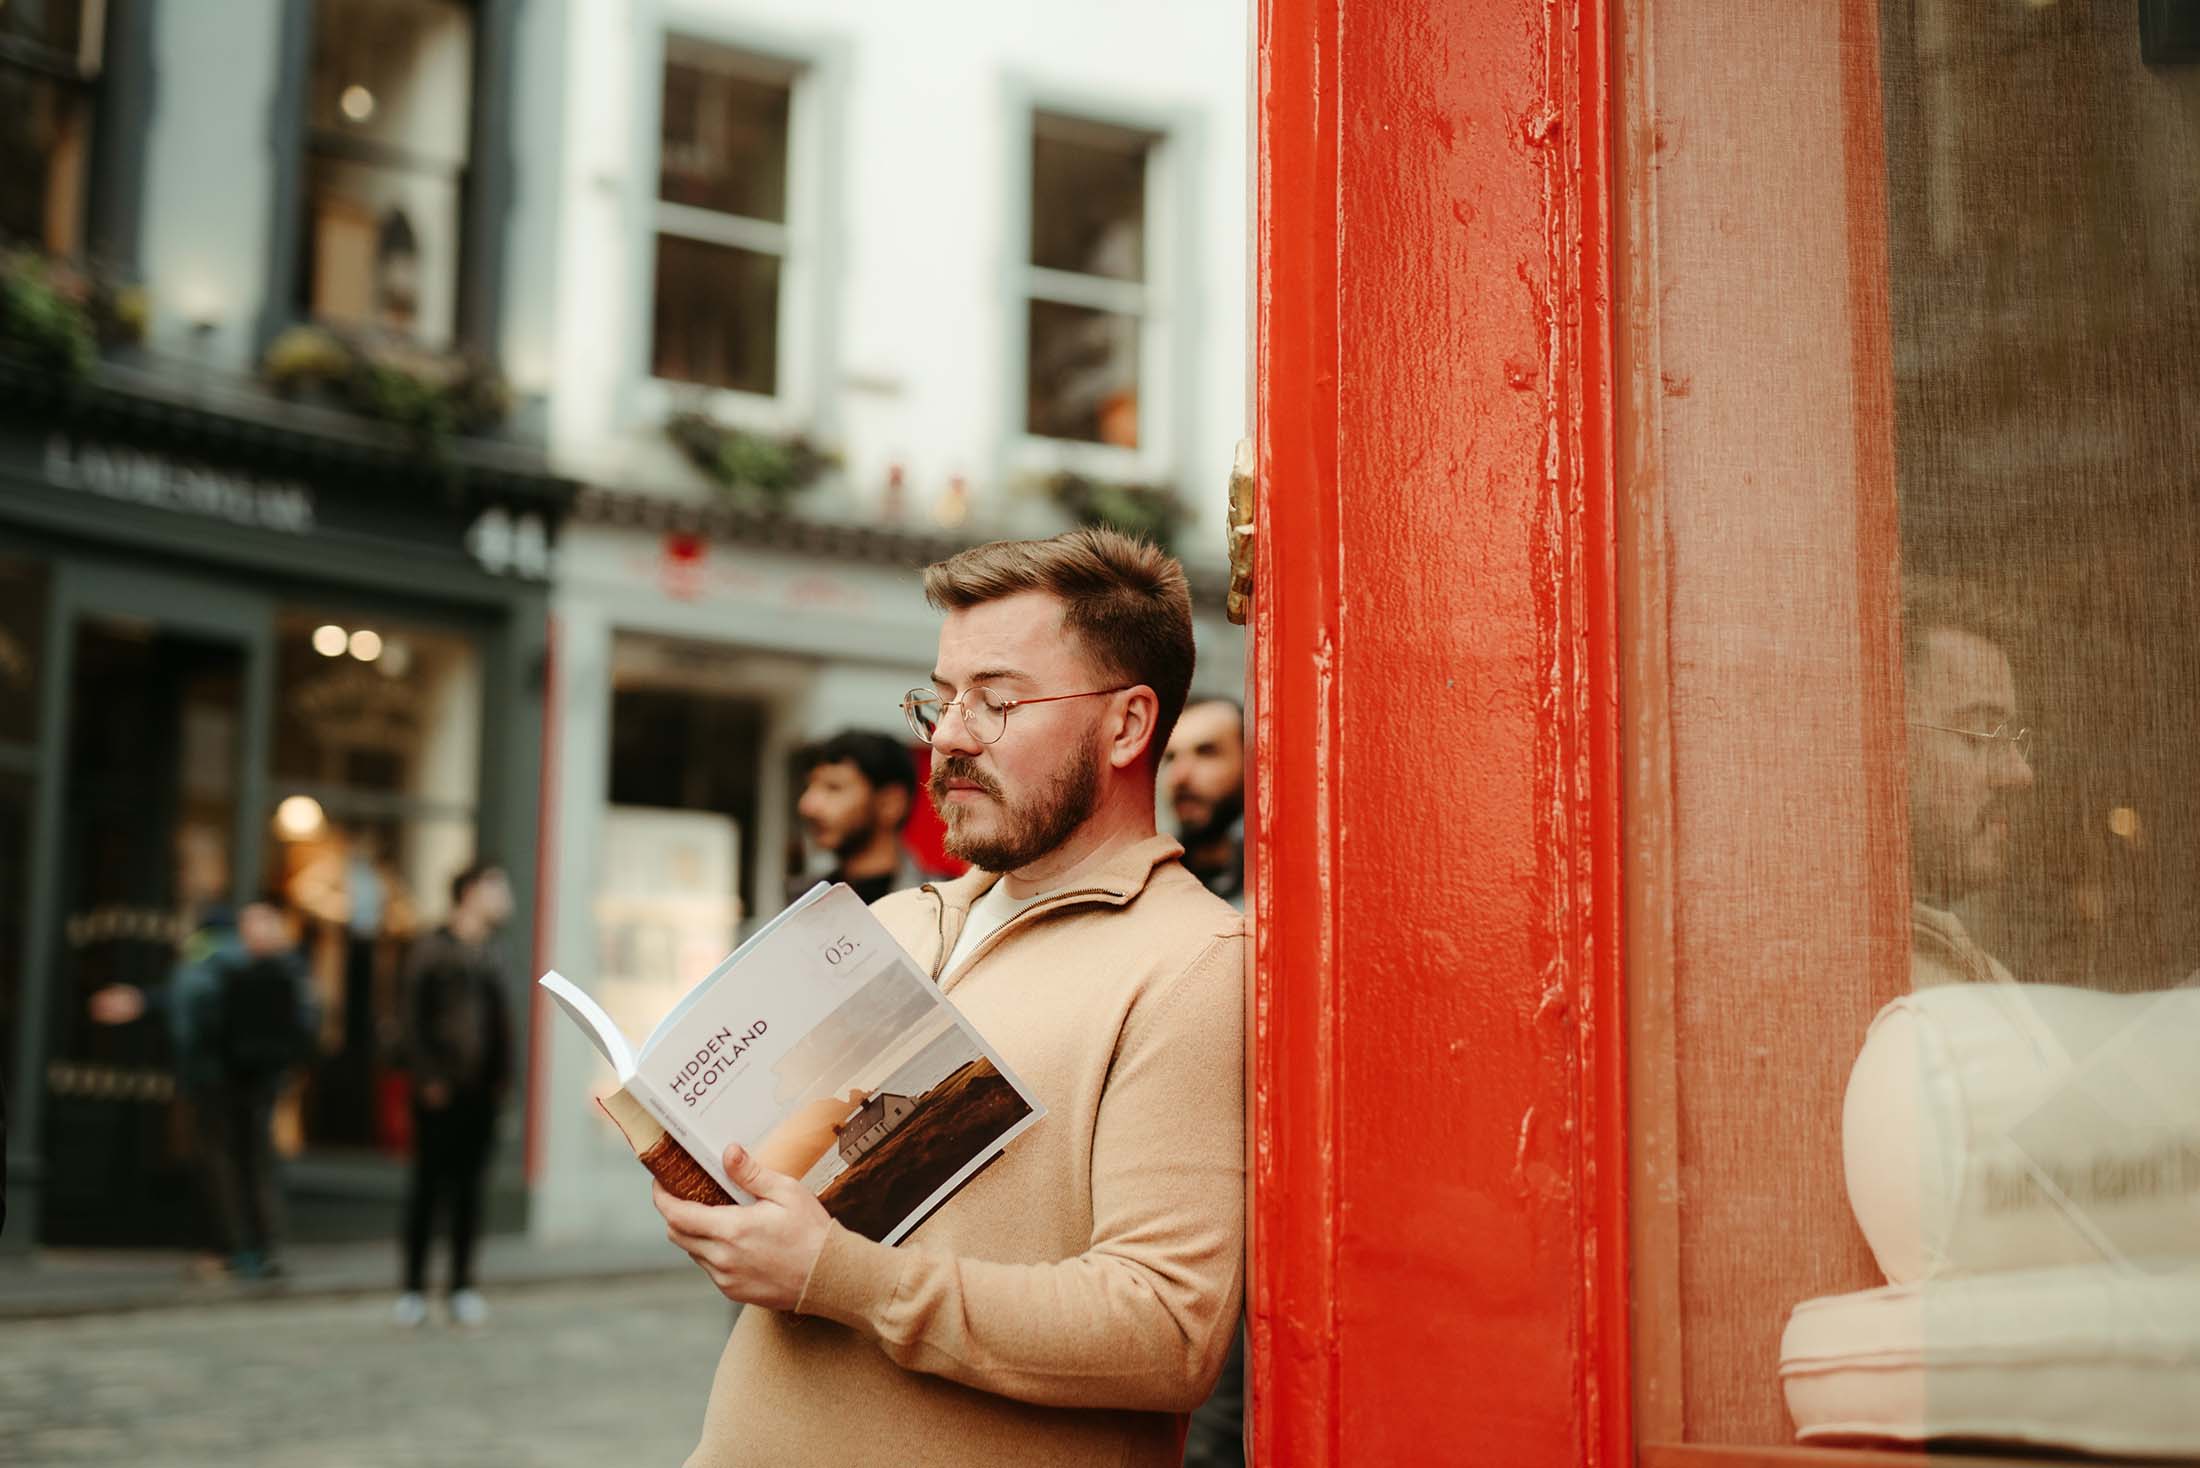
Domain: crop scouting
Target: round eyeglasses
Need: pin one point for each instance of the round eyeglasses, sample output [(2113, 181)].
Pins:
[(2023, 742), (984, 712)]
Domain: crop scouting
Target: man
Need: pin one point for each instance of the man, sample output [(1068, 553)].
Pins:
[(1969, 766), (240, 1013), (459, 1042), (858, 790), (1203, 780), (1074, 1302)]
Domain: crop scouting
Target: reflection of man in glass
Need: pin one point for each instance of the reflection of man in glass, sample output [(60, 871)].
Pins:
[(1969, 765)]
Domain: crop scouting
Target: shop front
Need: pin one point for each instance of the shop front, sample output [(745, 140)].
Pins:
[(1724, 668), (236, 657)]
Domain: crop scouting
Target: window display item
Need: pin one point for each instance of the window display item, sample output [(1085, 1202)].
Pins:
[(2025, 1162)]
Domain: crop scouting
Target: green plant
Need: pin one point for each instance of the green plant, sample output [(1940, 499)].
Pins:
[(432, 394), (1153, 512), (44, 318), (771, 469)]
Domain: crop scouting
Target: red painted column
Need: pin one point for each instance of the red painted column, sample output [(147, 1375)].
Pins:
[(1438, 1165)]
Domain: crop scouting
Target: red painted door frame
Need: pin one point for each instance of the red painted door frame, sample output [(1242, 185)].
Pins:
[(1438, 1161)]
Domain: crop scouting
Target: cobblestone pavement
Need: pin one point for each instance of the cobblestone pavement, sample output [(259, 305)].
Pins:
[(604, 1373)]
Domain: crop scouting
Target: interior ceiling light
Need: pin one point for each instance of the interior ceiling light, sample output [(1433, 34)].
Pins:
[(357, 102), (366, 646), (298, 817), (329, 640)]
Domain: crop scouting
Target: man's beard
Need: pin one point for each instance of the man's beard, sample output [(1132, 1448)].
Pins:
[(1033, 828), (855, 843), (1221, 816)]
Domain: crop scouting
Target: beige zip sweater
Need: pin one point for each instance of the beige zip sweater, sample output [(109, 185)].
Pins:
[(1074, 1302)]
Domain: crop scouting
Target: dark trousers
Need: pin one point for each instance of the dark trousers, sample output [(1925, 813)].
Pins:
[(236, 1129), (450, 1157)]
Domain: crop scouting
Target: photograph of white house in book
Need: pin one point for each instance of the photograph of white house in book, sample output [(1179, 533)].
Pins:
[(820, 1047)]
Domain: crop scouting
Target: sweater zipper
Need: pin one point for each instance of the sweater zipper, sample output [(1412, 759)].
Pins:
[(1058, 900)]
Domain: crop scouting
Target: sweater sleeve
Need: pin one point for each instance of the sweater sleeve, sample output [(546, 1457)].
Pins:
[(1142, 1319)]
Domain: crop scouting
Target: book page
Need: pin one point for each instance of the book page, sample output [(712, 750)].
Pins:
[(821, 1048)]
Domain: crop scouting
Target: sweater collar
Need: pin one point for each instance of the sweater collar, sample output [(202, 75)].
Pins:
[(1119, 878)]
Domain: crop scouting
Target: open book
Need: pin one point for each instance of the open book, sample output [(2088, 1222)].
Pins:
[(819, 1047)]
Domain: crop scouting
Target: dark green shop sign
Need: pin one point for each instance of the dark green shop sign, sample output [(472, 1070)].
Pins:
[(141, 477)]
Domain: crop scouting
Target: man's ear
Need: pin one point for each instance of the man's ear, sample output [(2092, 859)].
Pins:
[(1135, 728)]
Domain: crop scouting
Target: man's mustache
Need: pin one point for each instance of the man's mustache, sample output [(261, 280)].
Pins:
[(961, 767)]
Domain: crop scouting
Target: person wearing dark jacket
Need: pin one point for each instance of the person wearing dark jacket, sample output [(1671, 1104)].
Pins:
[(241, 1014), (459, 1043)]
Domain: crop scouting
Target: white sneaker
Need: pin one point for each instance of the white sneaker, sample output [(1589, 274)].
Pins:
[(411, 1310), (469, 1309)]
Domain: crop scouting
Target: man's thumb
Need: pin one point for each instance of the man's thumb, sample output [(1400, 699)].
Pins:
[(753, 1177)]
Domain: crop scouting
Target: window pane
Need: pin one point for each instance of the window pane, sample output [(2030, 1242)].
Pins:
[(717, 318), (396, 74), (58, 24), (390, 113), (725, 134), (1088, 199), (22, 648), (377, 756), (1083, 374), (45, 138), (16, 804), (382, 248), (1922, 360)]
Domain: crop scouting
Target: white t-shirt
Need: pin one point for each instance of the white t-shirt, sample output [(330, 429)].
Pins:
[(987, 915)]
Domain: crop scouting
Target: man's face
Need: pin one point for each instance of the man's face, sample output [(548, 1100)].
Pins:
[(1203, 771), (1961, 788), (263, 930), (491, 896), (840, 810), (1008, 803)]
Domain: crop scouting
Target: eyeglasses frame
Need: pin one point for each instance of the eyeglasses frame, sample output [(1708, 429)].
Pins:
[(1008, 706), (2021, 740)]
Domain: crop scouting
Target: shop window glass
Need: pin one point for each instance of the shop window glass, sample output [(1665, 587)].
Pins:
[(1087, 289), (22, 648), (1915, 665), (16, 796), (376, 772), (388, 121), (722, 237), (49, 67)]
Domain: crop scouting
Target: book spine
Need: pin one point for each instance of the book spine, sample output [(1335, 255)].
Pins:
[(659, 1150)]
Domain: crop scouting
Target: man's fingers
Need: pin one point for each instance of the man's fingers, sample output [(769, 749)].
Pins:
[(698, 1219)]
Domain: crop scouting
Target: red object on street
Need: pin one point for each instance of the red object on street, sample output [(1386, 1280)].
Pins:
[(1437, 1062), (926, 833)]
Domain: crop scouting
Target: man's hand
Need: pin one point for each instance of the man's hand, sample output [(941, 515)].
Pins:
[(759, 1254)]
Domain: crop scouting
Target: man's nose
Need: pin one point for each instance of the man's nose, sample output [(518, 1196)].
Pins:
[(2015, 772), (951, 735)]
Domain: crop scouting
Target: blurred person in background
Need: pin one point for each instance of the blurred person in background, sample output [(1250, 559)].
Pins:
[(858, 790), (1203, 782), (459, 1046), (241, 1013)]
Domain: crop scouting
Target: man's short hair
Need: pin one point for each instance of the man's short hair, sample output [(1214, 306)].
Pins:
[(1126, 601), (1935, 603), (879, 758), (463, 883)]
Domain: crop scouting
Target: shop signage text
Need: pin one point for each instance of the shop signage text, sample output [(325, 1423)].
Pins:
[(154, 479)]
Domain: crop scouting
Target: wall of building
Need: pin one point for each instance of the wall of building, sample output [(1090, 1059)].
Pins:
[(913, 162)]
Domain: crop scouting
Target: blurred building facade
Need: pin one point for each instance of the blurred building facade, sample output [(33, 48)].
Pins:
[(275, 530), (444, 428), (842, 287)]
